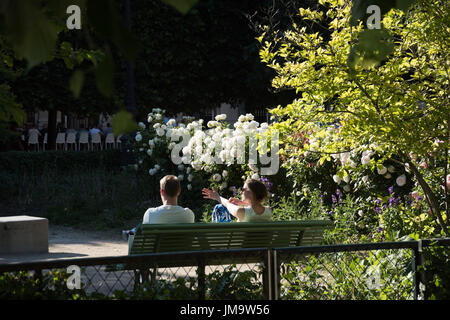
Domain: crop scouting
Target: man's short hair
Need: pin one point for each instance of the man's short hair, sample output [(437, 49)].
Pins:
[(171, 185)]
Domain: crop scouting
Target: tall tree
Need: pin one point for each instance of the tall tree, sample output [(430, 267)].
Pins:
[(353, 97)]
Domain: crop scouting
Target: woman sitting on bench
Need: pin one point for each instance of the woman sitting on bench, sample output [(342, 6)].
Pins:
[(249, 209)]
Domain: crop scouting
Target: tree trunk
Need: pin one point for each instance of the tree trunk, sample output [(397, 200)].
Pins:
[(51, 130), (429, 194)]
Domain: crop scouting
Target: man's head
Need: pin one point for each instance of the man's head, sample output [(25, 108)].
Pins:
[(169, 187)]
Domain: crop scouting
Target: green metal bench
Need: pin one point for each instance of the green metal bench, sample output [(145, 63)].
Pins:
[(210, 238), (155, 238)]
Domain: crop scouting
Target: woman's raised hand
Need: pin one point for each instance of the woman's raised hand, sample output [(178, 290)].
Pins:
[(236, 202), (210, 194)]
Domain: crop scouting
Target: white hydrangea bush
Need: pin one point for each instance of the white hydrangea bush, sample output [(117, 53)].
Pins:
[(363, 166), (212, 154)]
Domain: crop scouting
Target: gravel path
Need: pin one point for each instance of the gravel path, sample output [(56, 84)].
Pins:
[(66, 243)]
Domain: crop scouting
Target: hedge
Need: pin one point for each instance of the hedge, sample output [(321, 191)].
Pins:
[(35, 163)]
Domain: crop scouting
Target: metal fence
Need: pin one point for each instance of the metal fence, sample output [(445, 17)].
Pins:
[(392, 270), (215, 274), (372, 271)]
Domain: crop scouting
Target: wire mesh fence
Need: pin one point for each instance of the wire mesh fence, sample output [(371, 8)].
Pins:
[(377, 271), (373, 271), (225, 274), (380, 274)]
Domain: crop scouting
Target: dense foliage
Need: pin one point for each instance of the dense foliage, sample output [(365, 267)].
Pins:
[(369, 115)]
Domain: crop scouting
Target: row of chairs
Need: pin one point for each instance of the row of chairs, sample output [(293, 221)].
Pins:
[(70, 140)]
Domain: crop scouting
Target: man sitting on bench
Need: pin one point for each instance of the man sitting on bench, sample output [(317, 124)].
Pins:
[(170, 211)]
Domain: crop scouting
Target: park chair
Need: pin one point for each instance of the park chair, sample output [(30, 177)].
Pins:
[(33, 139), (61, 139), (83, 139), (71, 140), (110, 140), (96, 139), (119, 141)]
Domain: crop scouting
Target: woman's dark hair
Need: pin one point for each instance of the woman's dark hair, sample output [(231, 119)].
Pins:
[(258, 188)]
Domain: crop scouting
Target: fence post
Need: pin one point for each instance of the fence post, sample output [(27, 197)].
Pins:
[(267, 276), (417, 265), (276, 276), (201, 279)]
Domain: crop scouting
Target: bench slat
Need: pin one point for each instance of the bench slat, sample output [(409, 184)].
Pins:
[(152, 238)]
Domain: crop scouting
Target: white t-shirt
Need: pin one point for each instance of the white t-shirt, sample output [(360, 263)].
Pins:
[(252, 216), (168, 214)]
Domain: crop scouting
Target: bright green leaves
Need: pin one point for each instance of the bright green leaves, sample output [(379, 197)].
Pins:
[(122, 122), (373, 46), (76, 83), (398, 104), (359, 8), (103, 67)]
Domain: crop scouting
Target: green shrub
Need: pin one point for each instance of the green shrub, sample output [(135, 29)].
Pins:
[(60, 162), (30, 286), (378, 274), (227, 284), (436, 273)]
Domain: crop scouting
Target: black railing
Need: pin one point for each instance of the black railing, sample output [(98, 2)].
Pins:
[(392, 270), (389, 270), (214, 274)]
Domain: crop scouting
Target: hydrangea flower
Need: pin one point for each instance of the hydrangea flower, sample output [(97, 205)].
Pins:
[(401, 180), (160, 132), (337, 179), (255, 176), (138, 137), (382, 171), (365, 160), (221, 117)]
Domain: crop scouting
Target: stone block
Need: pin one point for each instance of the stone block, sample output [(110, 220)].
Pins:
[(23, 234)]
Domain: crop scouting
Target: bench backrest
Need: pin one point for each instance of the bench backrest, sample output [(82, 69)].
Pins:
[(153, 238)]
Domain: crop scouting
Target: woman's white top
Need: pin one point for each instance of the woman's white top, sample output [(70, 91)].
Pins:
[(252, 216)]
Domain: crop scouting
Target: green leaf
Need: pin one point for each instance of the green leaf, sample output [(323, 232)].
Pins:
[(182, 6), (76, 83), (104, 74), (122, 122), (404, 5), (32, 34), (373, 46), (359, 8)]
